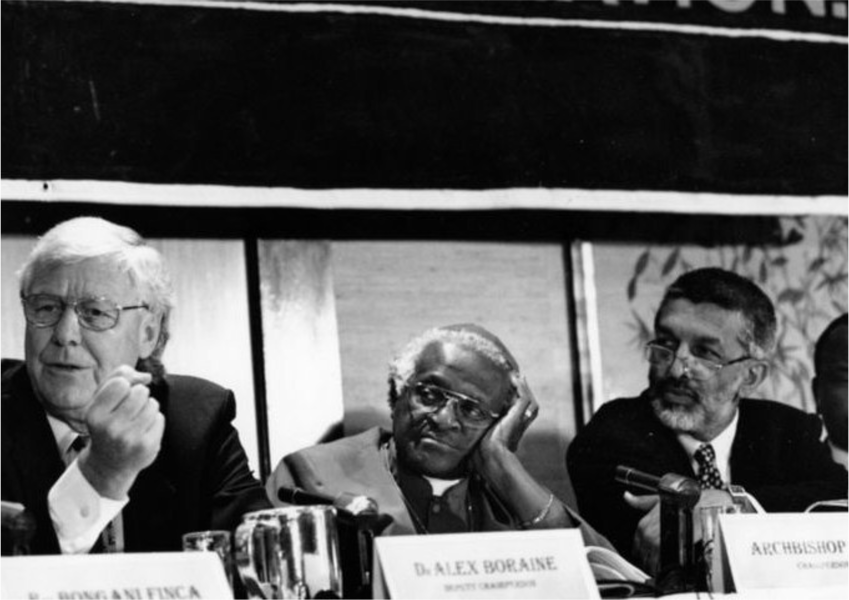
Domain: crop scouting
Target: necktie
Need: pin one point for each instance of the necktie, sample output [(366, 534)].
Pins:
[(80, 442), (709, 477)]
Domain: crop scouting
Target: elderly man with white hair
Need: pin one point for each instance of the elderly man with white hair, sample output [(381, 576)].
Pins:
[(459, 408), (105, 449)]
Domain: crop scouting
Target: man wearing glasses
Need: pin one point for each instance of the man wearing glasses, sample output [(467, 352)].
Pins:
[(714, 332), (104, 449), (459, 408)]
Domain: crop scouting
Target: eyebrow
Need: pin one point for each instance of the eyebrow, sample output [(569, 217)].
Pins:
[(700, 338)]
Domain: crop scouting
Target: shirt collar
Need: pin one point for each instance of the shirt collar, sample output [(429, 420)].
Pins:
[(62, 433), (721, 447)]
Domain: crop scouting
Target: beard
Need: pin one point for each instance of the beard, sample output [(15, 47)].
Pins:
[(678, 418)]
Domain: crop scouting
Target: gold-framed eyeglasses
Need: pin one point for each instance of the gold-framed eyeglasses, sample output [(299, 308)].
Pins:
[(695, 367), (96, 314), (467, 410)]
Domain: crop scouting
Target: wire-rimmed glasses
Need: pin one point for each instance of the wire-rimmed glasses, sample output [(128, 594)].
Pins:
[(467, 410), (695, 367), (96, 314)]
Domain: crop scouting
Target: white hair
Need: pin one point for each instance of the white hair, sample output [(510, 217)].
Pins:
[(88, 238), (403, 366)]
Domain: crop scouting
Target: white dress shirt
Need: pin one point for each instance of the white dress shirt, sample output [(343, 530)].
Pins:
[(78, 512)]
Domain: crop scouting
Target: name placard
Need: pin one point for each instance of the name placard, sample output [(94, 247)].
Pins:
[(516, 564), (786, 550), (148, 576)]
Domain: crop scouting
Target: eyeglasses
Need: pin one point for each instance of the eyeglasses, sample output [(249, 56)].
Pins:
[(96, 314), (695, 367), (468, 411)]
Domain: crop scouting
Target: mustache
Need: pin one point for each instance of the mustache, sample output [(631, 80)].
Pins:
[(675, 386)]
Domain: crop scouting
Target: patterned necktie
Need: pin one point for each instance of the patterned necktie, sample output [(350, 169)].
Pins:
[(709, 477)]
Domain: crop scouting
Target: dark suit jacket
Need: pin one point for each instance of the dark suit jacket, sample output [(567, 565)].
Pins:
[(777, 456), (200, 479), (355, 465)]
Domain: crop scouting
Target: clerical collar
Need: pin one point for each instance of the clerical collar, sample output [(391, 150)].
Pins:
[(438, 486)]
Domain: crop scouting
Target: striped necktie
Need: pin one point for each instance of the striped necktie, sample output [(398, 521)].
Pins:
[(709, 477)]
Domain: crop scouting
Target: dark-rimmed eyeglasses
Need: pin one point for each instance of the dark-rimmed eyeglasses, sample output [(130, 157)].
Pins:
[(96, 314), (695, 367), (467, 410)]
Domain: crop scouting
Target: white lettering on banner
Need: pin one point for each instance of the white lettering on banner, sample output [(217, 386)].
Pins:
[(816, 8)]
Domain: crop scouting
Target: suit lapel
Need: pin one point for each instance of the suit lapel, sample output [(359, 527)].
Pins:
[(30, 449)]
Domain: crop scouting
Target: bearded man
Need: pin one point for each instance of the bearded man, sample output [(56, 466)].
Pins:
[(714, 333)]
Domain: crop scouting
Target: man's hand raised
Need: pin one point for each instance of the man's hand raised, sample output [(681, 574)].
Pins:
[(125, 429)]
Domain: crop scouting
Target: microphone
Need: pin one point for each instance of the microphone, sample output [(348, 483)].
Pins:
[(684, 491), (637, 479), (351, 503)]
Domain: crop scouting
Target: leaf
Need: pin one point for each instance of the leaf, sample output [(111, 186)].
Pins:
[(816, 264), (670, 262), (791, 295), (642, 263), (793, 236), (632, 289), (644, 334)]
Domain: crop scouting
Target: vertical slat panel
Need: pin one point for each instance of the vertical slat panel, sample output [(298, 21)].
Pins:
[(303, 377), (210, 332), (14, 252)]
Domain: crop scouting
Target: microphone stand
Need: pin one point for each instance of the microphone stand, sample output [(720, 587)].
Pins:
[(678, 496)]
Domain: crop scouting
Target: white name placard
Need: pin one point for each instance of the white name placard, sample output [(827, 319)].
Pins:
[(786, 550), (149, 576), (517, 564)]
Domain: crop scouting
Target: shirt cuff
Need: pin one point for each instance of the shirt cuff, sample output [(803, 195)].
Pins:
[(78, 512)]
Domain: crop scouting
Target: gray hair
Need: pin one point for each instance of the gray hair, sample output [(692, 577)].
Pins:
[(85, 238), (403, 366), (734, 293)]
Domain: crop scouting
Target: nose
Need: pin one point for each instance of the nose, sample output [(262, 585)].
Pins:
[(445, 416), (680, 366), (67, 331)]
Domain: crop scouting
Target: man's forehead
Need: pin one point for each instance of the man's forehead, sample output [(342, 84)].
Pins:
[(97, 276), (460, 359), (705, 318)]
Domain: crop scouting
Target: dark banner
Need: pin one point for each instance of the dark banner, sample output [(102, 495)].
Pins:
[(431, 95), (825, 16)]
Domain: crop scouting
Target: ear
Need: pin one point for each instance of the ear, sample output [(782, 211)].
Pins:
[(150, 325), (754, 375)]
